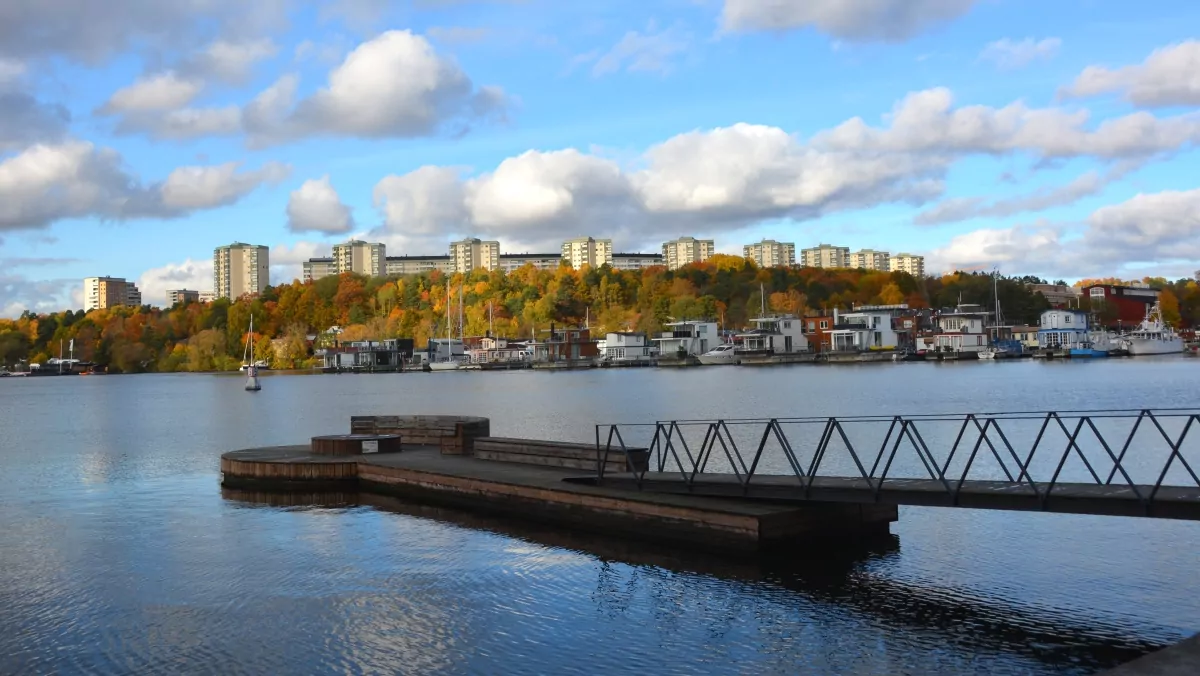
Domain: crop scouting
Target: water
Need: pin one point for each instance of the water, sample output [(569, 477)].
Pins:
[(119, 553)]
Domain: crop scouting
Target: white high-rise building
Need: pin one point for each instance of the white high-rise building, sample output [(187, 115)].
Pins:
[(182, 296), (105, 292), (913, 265), (680, 252), (771, 254), (869, 259), (583, 251), (474, 254), (316, 268), (416, 265), (240, 269), (825, 256), (635, 261), (363, 258)]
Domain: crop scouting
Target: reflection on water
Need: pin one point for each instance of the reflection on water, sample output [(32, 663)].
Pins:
[(119, 553)]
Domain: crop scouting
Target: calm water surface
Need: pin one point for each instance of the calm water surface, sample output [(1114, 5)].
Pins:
[(119, 553)]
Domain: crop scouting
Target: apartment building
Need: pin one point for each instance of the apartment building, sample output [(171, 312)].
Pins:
[(771, 254), (635, 261), (105, 292), (870, 259), (680, 252), (544, 261), (583, 251), (362, 258), (316, 268), (475, 254), (904, 262), (825, 256), (415, 265), (240, 269), (182, 297), (207, 296)]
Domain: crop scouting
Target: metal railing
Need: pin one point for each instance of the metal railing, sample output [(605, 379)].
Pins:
[(953, 450)]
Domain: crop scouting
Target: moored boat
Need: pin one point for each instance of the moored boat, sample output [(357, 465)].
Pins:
[(1153, 336), (720, 355)]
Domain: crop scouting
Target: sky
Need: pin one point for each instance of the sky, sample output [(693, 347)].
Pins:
[(1056, 139)]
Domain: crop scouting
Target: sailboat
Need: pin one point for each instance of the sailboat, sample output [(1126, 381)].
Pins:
[(252, 384), (996, 350), (448, 364)]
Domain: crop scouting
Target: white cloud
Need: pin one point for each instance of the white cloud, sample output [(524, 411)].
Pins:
[(11, 70), (159, 92), (154, 283), (189, 188), (928, 122), (232, 61), (1030, 249), (1009, 54), (25, 120), (287, 261), (1148, 227), (93, 31), (855, 20), (316, 207), (1170, 76), (18, 294), (394, 85), (650, 52), (75, 179)]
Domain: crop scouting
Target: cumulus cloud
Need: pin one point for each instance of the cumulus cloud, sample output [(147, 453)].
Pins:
[(1009, 54), (928, 122), (158, 92), (1148, 227), (93, 32), (1170, 76), (154, 283), (19, 293), (316, 207), (75, 179), (395, 85), (854, 20), (1032, 249), (230, 61), (25, 120)]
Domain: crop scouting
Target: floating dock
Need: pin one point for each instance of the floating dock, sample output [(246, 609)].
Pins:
[(453, 461)]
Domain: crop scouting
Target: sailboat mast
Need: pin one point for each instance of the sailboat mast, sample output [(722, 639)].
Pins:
[(762, 300)]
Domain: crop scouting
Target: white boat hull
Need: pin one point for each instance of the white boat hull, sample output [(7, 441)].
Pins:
[(444, 366), (1149, 346), (727, 359)]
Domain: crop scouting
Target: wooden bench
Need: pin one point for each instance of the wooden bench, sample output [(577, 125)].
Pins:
[(557, 454), (452, 434)]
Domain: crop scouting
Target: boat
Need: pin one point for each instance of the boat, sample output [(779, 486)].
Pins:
[(1098, 344), (261, 365), (994, 352), (719, 356), (1153, 336), (252, 384), (449, 364)]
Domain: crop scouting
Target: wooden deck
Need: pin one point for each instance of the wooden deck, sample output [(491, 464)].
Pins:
[(1170, 502)]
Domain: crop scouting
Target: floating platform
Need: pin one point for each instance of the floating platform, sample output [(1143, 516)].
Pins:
[(450, 461)]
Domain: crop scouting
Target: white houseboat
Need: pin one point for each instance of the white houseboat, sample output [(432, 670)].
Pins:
[(684, 341), (773, 340), (961, 334)]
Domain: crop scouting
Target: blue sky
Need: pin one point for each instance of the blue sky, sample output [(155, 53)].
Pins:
[(1055, 139)]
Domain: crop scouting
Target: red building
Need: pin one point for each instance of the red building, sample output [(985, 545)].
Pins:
[(816, 329), (1131, 302)]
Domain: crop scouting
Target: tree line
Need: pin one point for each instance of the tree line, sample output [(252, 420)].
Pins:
[(728, 289)]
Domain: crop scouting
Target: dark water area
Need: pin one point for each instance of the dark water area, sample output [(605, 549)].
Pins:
[(120, 553)]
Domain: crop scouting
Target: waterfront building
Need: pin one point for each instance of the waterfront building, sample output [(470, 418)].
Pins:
[(626, 348), (474, 254), (1121, 305), (1026, 335), (587, 251), (635, 261), (782, 334), (905, 262), (182, 297), (1058, 295), (771, 254), (543, 261), (207, 296), (689, 337), (316, 268), (825, 256), (870, 259), (816, 330), (1063, 329), (240, 269), (362, 258), (871, 327), (104, 292), (962, 330), (493, 350), (685, 250), (414, 265), (371, 355), (569, 345)]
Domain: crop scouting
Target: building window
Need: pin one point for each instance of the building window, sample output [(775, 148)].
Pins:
[(824, 324), (1067, 319)]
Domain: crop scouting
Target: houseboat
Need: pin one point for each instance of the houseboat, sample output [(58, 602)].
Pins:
[(682, 343), (1062, 331), (626, 349), (959, 334), (773, 340)]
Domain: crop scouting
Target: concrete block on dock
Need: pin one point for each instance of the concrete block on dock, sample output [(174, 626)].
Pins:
[(452, 434)]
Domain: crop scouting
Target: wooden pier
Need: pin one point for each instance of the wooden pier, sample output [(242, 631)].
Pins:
[(451, 461)]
